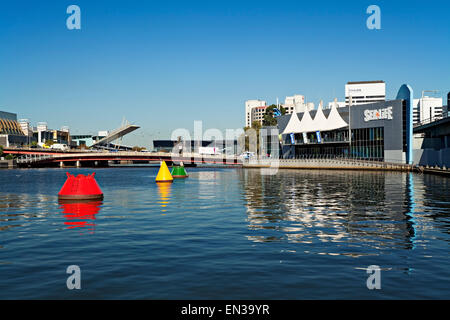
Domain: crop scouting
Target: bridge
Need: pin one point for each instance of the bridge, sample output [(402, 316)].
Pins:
[(29, 157), (432, 142)]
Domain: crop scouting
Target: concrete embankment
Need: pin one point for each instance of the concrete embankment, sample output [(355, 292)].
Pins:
[(328, 164), (440, 171), (8, 164)]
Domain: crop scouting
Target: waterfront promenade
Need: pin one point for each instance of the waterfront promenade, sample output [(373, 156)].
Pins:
[(328, 163)]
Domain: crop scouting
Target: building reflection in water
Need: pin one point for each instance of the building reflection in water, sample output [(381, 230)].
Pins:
[(16, 208), (374, 209), (80, 214), (164, 190)]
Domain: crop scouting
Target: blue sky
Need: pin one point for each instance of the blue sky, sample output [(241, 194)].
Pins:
[(164, 64)]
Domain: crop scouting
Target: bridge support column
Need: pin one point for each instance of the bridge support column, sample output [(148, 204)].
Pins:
[(61, 164), (78, 164)]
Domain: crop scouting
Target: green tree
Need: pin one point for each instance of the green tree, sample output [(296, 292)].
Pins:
[(256, 126), (269, 119), (49, 143)]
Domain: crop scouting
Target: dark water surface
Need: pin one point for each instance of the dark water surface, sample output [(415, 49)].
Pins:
[(226, 234)]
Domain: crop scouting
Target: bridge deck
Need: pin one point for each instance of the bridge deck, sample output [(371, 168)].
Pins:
[(44, 156)]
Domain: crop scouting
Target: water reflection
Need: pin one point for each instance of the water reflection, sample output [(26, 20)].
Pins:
[(80, 214), (15, 208), (164, 195), (354, 209)]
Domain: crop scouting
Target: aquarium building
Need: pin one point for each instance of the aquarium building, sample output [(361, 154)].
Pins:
[(380, 131)]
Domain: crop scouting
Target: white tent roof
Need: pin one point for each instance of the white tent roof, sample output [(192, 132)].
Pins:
[(320, 122), (293, 125), (307, 123), (334, 120)]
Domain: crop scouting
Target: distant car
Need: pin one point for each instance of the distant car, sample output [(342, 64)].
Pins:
[(59, 146), (247, 155)]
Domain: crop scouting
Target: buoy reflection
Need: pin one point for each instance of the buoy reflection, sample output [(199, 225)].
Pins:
[(80, 214), (164, 190)]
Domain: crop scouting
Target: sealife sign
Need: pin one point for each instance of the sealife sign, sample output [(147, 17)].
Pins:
[(378, 114)]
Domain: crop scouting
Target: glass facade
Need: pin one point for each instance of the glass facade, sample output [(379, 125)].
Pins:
[(365, 143), (368, 143)]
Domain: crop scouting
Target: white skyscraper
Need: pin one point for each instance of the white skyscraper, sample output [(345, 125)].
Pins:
[(427, 109), (249, 105)]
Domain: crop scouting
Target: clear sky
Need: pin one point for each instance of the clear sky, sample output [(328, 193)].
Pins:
[(164, 64)]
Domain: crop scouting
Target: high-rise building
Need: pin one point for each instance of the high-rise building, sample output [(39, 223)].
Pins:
[(258, 114), (427, 109), (364, 92), (249, 105), (295, 103)]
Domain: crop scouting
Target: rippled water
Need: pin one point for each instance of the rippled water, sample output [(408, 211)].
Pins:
[(226, 234)]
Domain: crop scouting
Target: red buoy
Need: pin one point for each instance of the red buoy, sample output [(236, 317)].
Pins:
[(80, 187)]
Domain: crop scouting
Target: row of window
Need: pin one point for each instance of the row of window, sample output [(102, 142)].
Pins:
[(366, 143)]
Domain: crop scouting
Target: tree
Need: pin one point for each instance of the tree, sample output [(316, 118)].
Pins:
[(256, 126), (49, 143), (269, 119), (137, 148)]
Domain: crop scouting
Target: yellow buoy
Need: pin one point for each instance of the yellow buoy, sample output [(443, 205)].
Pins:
[(164, 173)]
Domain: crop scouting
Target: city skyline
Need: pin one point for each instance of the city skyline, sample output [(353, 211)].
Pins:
[(163, 66)]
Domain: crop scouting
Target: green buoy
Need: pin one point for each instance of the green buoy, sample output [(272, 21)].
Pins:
[(179, 172)]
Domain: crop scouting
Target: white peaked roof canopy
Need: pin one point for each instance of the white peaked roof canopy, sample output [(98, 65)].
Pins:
[(334, 120), (293, 125), (320, 121), (307, 123)]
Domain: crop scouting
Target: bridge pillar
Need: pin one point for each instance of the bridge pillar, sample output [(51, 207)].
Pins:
[(78, 164), (61, 164)]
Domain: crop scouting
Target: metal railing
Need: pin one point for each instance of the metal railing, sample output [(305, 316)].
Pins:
[(432, 119), (33, 158), (379, 162)]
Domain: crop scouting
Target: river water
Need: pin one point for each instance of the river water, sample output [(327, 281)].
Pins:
[(226, 234)]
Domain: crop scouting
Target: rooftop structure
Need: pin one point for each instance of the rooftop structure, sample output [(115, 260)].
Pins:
[(363, 92), (115, 134)]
